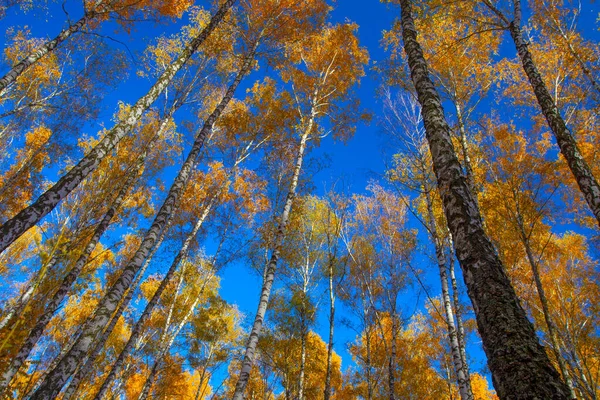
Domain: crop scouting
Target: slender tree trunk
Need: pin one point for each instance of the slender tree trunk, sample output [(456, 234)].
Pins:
[(301, 379), (64, 350), (68, 280), (139, 326), (331, 327), (150, 380), (84, 366), (59, 376), (269, 276), (369, 367), (465, 150), (24, 299), (545, 308), (586, 71), (460, 329), (392, 359), (588, 184), (519, 365), (464, 386), (31, 215), (201, 386), (20, 67)]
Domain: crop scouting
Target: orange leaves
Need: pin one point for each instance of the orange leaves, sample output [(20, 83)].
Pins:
[(167, 8), (43, 73), (329, 61), (284, 21), (17, 185)]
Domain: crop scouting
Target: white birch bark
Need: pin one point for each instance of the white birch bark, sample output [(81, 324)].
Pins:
[(57, 378), (269, 275), (519, 365), (31, 215)]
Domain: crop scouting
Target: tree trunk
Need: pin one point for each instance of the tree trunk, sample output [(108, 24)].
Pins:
[(27, 296), (392, 360), (20, 67), (545, 308), (331, 327), (69, 279), (201, 387), (31, 215), (59, 376), (464, 386), (568, 146), (85, 365), (369, 367), (519, 365), (460, 329), (269, 275), (465, 150), (301, 379), (586, 71), (139, 326), (150, 380)]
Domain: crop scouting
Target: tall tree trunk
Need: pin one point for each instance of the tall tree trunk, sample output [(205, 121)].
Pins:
[(588, 184), (20, 67), (269, 275), (465, 150), (519, 365), (369, 366), (84, 365), (58, 377), (31, 215), (331, 327), (392, 359), (21, 304), (150, 379), (201, 386), (301, 378), (139, 326), (586, 71), (460, 328), (69, 279), (464, 386), (545, 308)]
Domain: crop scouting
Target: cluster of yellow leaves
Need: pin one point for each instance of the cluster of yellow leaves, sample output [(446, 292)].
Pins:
[(323, 67), (418, 349), (42, 74), (17, 185)]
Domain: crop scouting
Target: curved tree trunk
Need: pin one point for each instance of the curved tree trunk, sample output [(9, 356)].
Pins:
[(519, 365), (269, 275), (464, 384), (57, 378), (588, 184), (31, 215)]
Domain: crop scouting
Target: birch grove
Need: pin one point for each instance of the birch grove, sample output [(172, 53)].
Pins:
[(299, 199)]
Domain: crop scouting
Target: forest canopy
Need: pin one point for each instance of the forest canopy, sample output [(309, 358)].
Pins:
[(300, 199)]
